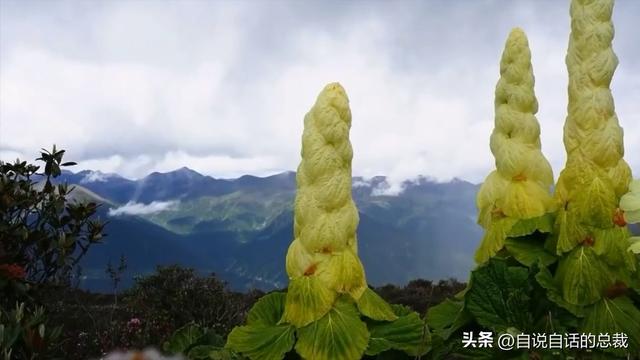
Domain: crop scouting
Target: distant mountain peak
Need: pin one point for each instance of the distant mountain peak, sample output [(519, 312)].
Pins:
[(186, 169), (247, 176), (284, 174), (184, 172)]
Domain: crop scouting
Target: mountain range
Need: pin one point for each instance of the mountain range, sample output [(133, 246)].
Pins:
[(240, 228)]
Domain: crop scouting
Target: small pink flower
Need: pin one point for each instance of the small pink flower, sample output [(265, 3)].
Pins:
[(134, 323)]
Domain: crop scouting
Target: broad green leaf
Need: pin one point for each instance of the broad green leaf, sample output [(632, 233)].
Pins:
[(308, 299), (224, 354), (596, 202), (611, 245), (568, 232), (401, 310), (183, 339), (338, 335), (545, 279), (262, 342), (635, 244), (374, 307), (447, 317), (522, 227), (210, 337), (582, 276), (614, 316), (203, 352), (499, 296), (263, 337), (406, 334), (268, 310), (493, 240), (529, 251)]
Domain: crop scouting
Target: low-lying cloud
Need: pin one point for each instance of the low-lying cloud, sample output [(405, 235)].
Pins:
[(135, 208)]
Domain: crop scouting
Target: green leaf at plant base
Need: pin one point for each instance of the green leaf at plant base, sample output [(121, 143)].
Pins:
[(447, 317), (406, 334), (499, 296), (211, 352), (611, 245), (522, 227), (568, 232), (545, 279), (263, 338), (268, 310), (582, 276), (529, 250), (338, 335), (614, 316), (225, 354), (183, 339), (308, 299), (374, 307), (493, 239), (262, 342), (202, 352)]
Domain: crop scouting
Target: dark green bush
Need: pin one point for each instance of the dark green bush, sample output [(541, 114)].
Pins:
[(43, 236), (175, 296)]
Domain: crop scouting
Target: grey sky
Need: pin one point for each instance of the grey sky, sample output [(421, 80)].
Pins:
[(222, 86)]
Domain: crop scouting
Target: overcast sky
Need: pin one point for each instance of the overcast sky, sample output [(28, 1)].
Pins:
[(222, 86)]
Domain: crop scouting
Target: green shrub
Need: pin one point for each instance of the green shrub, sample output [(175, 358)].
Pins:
[(43, 235), (41, 228), (175, 296)]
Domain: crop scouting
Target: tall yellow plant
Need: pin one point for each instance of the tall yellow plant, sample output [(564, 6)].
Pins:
[(574, 249), (321, 313), (322, 261), (519, 188), (588, 225)]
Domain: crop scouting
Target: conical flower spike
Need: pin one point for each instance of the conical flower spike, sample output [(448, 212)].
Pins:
[(519, 187), (588, 224), (322, 261), (327, 294)]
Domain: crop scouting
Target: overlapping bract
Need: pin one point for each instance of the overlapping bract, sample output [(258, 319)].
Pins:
[(579, 252), (322, 260), (519, 187), (595, 175), (328, 312)]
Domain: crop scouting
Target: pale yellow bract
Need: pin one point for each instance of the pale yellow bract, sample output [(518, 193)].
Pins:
[(592, 136), (322, 260), (591, 236), (519, 187), (595, 176)]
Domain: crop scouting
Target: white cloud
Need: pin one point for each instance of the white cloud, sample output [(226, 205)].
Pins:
[(135, 208), (134, 88), (360, 183), (392, 188), (95, 176)]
